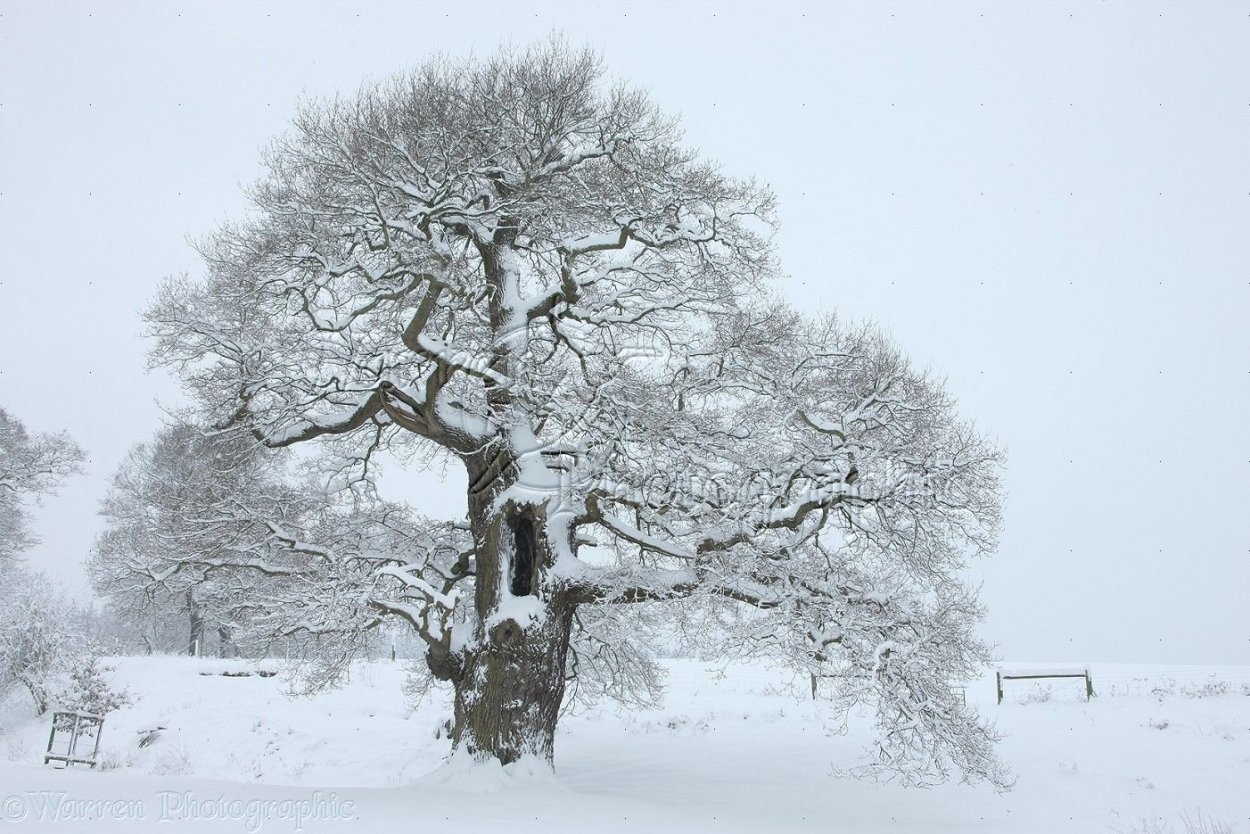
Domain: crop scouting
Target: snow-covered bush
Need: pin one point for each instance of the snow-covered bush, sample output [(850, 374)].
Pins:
[(35, 640), (1207, 689), (46, 648), (1039, 695), (89, 690), (176, 761)]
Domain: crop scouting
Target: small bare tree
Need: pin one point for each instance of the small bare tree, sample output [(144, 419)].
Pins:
[(511, 265)]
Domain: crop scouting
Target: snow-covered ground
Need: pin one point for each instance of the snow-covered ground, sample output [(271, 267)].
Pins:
[(735, 748)]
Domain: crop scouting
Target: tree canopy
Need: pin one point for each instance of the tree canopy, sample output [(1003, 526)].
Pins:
[(31, 466)]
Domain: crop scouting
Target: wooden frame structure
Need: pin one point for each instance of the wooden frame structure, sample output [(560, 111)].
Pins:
[(1039, 674), (79, 726)]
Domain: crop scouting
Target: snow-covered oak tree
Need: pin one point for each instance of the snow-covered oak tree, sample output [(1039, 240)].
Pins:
[(186, 523), (31, 466), (512, 264)]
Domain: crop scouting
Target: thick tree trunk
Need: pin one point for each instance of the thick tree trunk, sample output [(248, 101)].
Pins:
[(509, 676), (509, 694)]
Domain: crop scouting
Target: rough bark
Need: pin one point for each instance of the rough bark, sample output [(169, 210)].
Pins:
[(509, 679), (510, 689)]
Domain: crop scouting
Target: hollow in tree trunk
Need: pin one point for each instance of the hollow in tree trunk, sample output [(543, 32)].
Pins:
[(509, 679)]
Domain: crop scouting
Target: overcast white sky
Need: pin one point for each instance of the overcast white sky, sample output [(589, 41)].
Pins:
[(1047, 202)]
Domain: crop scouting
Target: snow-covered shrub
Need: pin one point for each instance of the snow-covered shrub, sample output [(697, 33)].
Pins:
[(1207, 689), (1039, 695), (176, 761), (88, 689), (37, 640), (109, 759), (1162, 688), (46, 648)]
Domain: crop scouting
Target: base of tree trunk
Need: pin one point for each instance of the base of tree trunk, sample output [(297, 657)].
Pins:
[(509, 691)]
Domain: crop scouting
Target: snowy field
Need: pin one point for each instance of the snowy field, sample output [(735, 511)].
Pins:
[(732, 749)]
